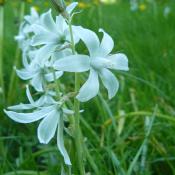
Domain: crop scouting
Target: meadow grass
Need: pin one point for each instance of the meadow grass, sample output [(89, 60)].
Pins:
[(131, 134)]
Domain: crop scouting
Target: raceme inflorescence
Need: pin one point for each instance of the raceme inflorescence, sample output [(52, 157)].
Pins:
[(47, 52)]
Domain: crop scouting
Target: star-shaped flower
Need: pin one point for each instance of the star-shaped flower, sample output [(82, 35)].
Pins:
[(38, 73), (98, 62), (52, 115), (50, 35)]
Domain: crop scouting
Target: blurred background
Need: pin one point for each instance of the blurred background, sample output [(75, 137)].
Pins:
[(116, 132)]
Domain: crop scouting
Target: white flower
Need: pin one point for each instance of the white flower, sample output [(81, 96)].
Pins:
[(99, 62), (38, 74), (52, 116), (24, 38), (50, 35), (33, 18)]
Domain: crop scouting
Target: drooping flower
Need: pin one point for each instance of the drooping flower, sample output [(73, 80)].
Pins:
[(52, 114), (99, 62)]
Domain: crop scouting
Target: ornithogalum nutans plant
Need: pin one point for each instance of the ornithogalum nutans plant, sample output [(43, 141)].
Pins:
[(48, 50)]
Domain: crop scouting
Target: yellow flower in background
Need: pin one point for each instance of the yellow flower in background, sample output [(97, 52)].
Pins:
[(36, 8), (142, 7), (108, 1), (83, 5), (29, 1)]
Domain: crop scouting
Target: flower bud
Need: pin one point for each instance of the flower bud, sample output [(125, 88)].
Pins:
[(60, 7)]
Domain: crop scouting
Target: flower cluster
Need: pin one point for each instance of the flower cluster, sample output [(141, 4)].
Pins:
[(46, 54)]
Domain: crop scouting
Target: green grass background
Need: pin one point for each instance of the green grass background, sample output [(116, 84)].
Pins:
[(147, 90)]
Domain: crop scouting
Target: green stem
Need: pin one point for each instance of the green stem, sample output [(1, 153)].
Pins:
[(1, 51), (57, 88), (16, 61), (78, 140)]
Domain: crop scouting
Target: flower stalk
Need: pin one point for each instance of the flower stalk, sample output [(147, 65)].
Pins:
[(1, 48), (77, 135)]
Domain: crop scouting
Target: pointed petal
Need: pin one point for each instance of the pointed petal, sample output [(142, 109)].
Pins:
[(119, 61), (48, 22), (48, 126), (44, 53), (71, 7), (29, 96), (21, 106), (106, 45), (110, 82), (37, 82), (73, 63), (50, 76), (90, 88), (61, 24), (68, 111), (60, 141), (24, 74), (28, 117), (44, 38), (89, 38), (38, 29)]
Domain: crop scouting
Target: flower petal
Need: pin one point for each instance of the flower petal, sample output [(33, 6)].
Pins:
[(90, 88), (106, 45), (24, 74), (44, 38), (119, 61), (21, 106), (73, 63), (37, 82), (44, 53), (61, 24), (38, 29), (60, 141), (48, 22), (29, 96), (71, 7), (61, 54), (50, 76), (28, 117), (48, 126), (110, 82), (89, 38), (68, 111)]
